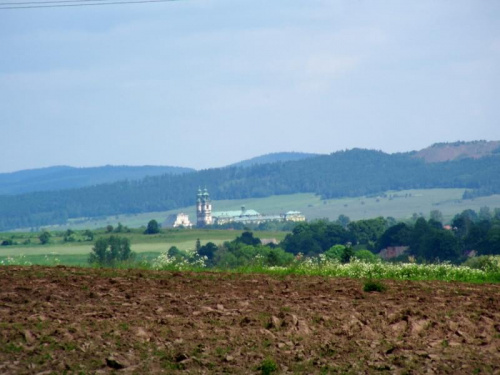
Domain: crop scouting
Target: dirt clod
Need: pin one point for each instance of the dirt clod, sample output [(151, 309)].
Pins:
[(115, 363)]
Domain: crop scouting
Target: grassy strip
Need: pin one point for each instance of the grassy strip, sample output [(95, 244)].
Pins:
[(310, 267), (76, 260), (358, 270), (389, 271)]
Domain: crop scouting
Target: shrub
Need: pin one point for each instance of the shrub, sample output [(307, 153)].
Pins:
[(347, 254), (268, 366), (374, 286), (365, 256), (179, 262), (484, 263), (335, 252)]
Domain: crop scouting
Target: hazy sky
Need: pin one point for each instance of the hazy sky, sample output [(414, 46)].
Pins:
[(204, 83)]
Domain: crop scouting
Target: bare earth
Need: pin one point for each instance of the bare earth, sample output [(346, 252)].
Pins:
[(73, 320)]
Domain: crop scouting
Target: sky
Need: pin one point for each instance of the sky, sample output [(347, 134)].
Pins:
[(206, 83)]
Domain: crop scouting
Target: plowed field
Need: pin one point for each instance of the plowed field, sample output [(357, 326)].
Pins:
[(74, 320)]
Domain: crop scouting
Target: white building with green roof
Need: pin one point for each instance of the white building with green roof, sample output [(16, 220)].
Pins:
[(205, 216)]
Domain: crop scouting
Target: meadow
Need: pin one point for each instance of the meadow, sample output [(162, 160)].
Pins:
[(398, 204), (146, 247)]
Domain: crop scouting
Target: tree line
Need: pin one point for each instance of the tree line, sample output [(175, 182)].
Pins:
[(469, 237), (469, 234), (347, 173)]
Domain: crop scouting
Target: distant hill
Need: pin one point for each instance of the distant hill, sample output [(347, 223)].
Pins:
[(274, 158), (64, 177), (440, 152), (351, 173)]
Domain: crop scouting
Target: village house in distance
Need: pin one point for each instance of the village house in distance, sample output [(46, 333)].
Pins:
[(205, 216)]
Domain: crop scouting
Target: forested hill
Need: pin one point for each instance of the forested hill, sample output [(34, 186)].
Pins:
[(346, 173), (273, 158), (64, 177)]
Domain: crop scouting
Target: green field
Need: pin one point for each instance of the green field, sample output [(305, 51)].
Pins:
[(400, 205), (146, 246)]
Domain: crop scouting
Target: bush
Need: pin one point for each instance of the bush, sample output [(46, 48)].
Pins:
[(365, 256), (268, 366), (484, 263), (347, 254), (335, 252), (374, 286)]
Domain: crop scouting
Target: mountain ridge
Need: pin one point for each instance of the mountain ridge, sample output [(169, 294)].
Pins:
[(65, 177), (347, 173), (274, 157)]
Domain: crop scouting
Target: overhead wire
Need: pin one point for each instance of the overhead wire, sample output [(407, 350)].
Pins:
[(72, 3), (48, 2)]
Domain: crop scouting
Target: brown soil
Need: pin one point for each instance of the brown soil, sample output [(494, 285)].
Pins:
[(73, 320)]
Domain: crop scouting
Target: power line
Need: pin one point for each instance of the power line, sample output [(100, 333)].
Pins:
[(49, 2), (77, 3)]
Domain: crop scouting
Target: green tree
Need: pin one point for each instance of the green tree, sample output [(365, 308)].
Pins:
[(208, 251), (111, 251), (315, 238), (437, 215), (173, 251), (335, 252), (433, 244), (365, 256), (248, 239), (347, 254), (120, 228), (69, 236), (491, 244), (153, 227), (343, 220), (368, 231), (440, 245), (397, 235), (276, 256), (484, 213), (89, 235), (44, 237)]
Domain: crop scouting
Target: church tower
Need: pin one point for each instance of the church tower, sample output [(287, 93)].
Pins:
[(203, 209)]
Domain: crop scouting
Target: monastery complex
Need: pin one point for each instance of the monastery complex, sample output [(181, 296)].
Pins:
[(205, 216)]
